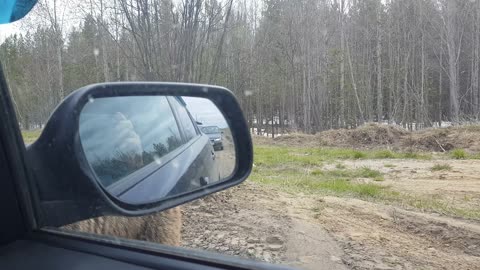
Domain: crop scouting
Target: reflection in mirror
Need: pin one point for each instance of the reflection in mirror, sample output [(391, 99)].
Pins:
[(146, 148)]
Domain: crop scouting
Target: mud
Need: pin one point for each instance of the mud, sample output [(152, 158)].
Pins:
[(322, 232)]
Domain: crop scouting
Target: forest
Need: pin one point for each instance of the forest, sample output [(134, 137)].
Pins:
[(295, 66)]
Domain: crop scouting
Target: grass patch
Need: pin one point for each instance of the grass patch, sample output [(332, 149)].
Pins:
[(340, 166), (291, 177), (284, 167), (430, 204), (388, 165), (30, 136), (441, 167), (369, 173), (308, 184), (458, 154), (363, 172), (273, 155), (358, 155), (384, 154), (346, 187)]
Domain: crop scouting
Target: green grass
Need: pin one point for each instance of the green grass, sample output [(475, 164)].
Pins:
[(286, 168), (272, 155), (340, 166), (441, 167), (430, 204), (29, 136), (388, 165), (458, 154), (384, 154), (300, 170), (340, 186), (358, 155), (363, 172)]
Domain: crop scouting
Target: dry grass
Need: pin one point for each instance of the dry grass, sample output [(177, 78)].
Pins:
[(391, 137), (30, 136)]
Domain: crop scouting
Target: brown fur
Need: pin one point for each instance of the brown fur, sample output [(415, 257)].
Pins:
[(163, 227)]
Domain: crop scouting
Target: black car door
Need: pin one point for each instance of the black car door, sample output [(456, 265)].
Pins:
[(204, 167)]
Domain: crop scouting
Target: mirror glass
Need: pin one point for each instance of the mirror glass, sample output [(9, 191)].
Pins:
[(143, 149)]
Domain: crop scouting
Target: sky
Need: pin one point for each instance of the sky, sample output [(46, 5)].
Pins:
[(204, 111), (70, 15), (8, 29)]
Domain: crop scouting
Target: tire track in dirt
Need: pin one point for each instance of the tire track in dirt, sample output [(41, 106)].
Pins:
[(316, 232), (375, 236), (259, 223)]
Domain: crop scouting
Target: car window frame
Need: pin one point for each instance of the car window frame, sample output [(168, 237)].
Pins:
[(153, 256)]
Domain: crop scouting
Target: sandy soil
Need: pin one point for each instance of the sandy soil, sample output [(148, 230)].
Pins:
[(226, 157), (323, 232), (460, 185)]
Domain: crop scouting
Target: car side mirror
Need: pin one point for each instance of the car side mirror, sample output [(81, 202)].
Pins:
[(133, 149), (14, 10)]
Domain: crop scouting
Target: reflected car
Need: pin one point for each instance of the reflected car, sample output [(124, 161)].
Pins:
[(131, 142), (215, 135)]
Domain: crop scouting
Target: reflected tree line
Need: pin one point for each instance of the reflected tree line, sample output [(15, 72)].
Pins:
[(122, 163)]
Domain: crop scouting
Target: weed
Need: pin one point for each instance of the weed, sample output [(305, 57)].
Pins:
[(369, 173), (384, 154), (459, 154), (388, 165), (340, 166), (359, 155), (441, 167)]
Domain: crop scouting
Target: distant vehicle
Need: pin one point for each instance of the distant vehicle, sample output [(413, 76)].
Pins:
[(215, 135)]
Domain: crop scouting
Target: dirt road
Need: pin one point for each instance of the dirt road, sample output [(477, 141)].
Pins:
[(226, 157), (254, 222), (326, 232)]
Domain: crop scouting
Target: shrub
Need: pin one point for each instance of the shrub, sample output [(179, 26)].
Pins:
[(459, 154), (358, 155), (385, 154), (340, 166), (441, 167)]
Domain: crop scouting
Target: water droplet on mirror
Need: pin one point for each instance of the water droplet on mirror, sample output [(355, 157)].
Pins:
[(175, 164), (157, 159), (91, 99), (248, 93), (96, 52), (205, 89)]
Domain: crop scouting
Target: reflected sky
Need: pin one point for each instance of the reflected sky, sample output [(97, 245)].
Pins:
[(204, 111)]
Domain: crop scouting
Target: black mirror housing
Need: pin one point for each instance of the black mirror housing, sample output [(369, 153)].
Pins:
[(66, 185)]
